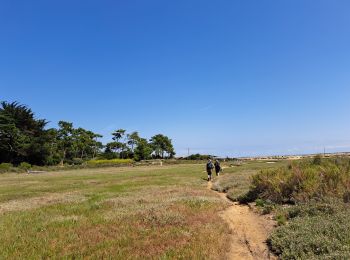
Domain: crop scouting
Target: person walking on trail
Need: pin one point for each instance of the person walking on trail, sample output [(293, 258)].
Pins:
[(217, 167), (210, 167)]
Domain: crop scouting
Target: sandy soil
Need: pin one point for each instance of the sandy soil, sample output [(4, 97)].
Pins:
[(249, 231)]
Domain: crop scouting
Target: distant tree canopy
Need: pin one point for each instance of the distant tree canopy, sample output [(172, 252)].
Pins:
[(143, 150), (162, 146), (24, 138), (198, 157), (133, 146)]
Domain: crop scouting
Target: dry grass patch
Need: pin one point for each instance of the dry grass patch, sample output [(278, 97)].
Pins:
[(36, 202)]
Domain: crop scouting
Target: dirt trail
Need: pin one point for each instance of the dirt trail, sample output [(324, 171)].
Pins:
[(249, 231)]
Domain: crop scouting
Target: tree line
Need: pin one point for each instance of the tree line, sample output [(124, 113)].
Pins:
[(24, 138)]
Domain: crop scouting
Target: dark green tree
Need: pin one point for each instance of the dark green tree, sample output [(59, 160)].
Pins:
[(77, 143), (65, 141), (118, 134), (143, 150), (162, 145), (22, 136), (53, 157), (118, 146), (133, 139)]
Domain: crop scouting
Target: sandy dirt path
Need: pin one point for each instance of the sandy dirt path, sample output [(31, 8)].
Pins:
[(249, 231)]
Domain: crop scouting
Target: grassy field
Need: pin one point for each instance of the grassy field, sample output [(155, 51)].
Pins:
[(125, 213), (162, 212)]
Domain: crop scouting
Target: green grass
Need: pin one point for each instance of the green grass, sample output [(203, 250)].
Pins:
[(122, 213), (112, 162), (165, 212)]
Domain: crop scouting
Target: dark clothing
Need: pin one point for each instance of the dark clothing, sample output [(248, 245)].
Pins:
[(210, 166), (217, 167)]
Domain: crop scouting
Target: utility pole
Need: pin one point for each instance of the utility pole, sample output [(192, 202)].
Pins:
[(188, 151), (324, 151)]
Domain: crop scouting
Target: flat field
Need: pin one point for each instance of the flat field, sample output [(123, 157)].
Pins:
[(157, 212), (124, 213)]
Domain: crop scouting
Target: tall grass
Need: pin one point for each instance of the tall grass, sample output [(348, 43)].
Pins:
[(302, 181)]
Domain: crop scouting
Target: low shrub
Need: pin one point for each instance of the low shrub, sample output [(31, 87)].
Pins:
[(302, 181), (5, 166), (24, 166), (316, 230), (265, 207), (281, 219), (8, 167), (259, 203), (247, 197), (77, 161)]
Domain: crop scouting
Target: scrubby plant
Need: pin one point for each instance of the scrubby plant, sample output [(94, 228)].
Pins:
[(77, 161), (265, 206), (301, 181), (315, 230), (24, 166), (5, 166), (260, 203), (317, 160), (281, 219)]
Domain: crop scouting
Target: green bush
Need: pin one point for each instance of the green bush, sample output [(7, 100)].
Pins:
[(267, 209), (316, 222), (77, 161), (259, 203), (5, 166), (247, 197), (25, 166), (301, 181), (317, 160), (281, 219), (316, 230)]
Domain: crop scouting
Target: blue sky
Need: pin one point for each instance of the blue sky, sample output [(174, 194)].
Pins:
[(230, 78)]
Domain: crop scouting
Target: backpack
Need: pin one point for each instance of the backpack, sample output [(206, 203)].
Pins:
[(210, 166)]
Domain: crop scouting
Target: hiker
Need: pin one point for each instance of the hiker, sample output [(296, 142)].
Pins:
[(210, 167), (217, 167)]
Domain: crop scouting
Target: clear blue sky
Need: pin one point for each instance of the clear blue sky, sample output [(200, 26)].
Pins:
[(222, 77)]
